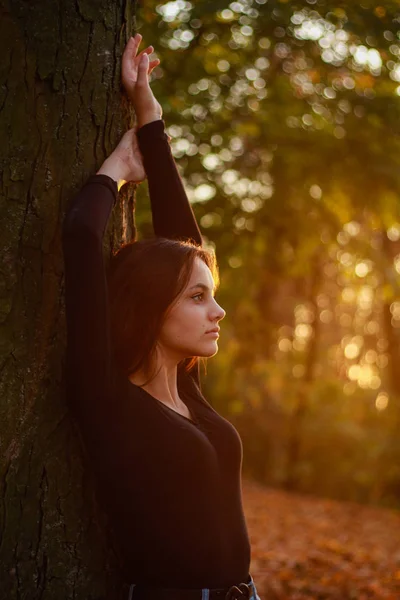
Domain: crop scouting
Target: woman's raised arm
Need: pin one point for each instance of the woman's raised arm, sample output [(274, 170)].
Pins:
[(89, 362), (172, 214), (88, 345), (173, 217)]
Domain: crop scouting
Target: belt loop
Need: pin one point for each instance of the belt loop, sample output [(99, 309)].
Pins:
[(131, 587), (205, 594)]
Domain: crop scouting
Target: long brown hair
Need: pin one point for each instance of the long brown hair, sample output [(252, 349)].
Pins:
[(144, 280)]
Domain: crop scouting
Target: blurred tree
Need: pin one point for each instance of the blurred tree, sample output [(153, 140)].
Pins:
[(284, 118)]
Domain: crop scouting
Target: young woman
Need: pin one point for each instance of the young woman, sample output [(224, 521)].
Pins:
[(168, 465)]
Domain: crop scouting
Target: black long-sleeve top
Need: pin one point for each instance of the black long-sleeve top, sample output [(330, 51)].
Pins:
[(171, 485)]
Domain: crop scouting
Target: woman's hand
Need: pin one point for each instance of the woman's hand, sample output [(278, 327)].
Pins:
[(125, 163), (136, 69)]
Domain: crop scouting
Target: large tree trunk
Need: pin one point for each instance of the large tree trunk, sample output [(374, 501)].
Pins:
[(60, 115)]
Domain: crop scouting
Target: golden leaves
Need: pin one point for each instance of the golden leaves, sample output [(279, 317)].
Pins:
[(306, 547)]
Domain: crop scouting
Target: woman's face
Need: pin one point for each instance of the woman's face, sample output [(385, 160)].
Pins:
[(185, 332)]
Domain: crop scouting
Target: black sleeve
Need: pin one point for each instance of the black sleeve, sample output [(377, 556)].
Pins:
[(173, 216), (89, 371)]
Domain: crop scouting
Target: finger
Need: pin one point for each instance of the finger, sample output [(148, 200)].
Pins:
[(131, 50), (148, 50), (136, 41), (151, 69), (142, 70), (133, 44), (153, 64)]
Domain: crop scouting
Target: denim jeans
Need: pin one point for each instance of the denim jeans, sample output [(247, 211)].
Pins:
[(205, 592)]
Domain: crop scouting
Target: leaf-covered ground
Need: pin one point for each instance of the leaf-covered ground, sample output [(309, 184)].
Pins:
[(311, 548)]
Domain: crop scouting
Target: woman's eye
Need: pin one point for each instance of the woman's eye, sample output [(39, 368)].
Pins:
[(197, 296)]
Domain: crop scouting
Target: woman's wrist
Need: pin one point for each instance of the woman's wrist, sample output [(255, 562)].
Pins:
[(115, 168), (143, 120)]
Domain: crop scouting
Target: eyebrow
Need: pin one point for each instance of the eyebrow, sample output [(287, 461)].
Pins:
[(203, 287)]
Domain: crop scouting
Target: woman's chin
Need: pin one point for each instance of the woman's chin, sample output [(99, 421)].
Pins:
[(209, 350), (203, 350)]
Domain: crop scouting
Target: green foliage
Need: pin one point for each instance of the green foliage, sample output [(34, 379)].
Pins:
[(284, 118)]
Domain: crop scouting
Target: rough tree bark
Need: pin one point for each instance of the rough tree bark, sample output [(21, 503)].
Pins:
[(60, 114)]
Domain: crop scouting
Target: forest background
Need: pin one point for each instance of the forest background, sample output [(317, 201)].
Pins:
[(284, 121)]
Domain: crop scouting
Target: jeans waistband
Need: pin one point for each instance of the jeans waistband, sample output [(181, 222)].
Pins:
[(238, 591)]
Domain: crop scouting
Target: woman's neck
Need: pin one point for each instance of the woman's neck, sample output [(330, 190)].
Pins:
[(163, 386)]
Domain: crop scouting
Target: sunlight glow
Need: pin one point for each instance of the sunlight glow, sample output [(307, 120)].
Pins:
[(204, 192), (303, 330), (365, 375), (352, 228), (284, 345), (351, 351), (367, 56), (211, 161), (230, 176), (393, 232), (223, 66), (365, 297), (235, 262), (311, 30), (395, 310), (226, 15), (171, 10), (354, 372), (362, 269), (382, 400), (337, 328)]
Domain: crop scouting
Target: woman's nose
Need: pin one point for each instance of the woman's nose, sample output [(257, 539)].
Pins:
[(220, 313)]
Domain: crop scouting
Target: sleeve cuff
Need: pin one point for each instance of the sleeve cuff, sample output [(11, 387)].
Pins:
[(151, 131), (105, 180)]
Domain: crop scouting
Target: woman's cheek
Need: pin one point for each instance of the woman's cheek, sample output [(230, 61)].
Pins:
[(199, 310)]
